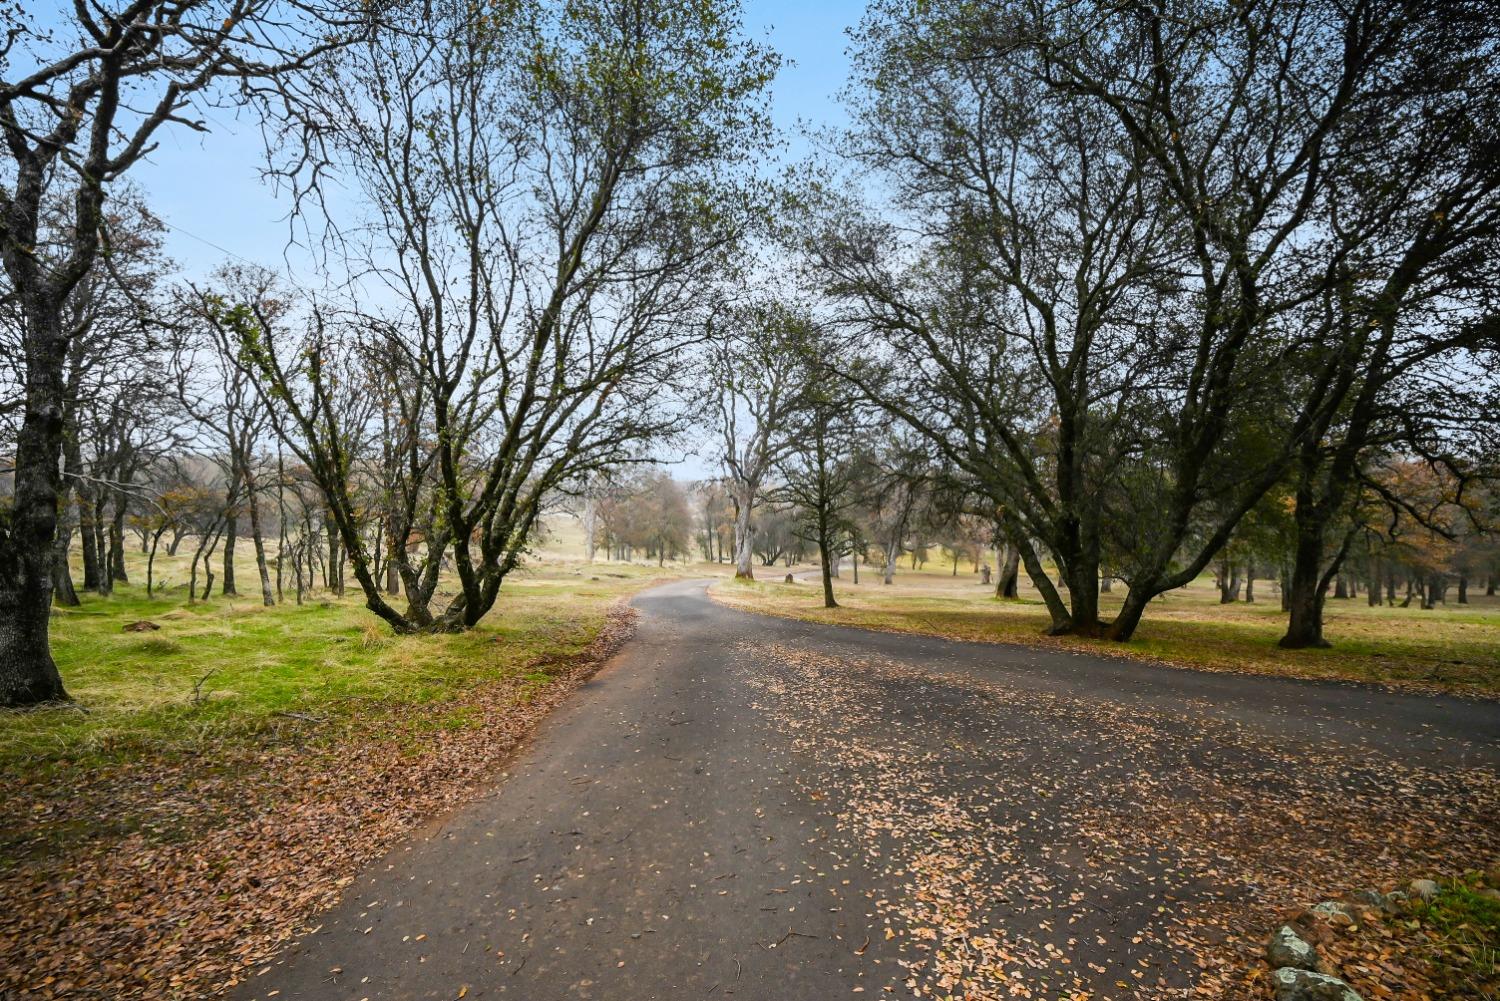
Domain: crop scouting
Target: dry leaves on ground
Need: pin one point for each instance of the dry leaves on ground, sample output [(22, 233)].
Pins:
[(175, 880)]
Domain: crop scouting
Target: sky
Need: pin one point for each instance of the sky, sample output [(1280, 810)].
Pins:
[(208, 189)]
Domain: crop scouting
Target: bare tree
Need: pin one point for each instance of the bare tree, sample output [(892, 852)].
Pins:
[(757, 367), (551, 192)]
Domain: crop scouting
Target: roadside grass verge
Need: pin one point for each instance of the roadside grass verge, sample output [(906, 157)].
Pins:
[(1460, 929), (1452, 648), (220, 778)]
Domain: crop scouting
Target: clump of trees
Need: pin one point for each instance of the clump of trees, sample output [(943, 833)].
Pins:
[(1141, 268)]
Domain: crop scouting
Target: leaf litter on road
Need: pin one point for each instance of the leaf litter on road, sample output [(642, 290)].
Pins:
[(1041, 845)]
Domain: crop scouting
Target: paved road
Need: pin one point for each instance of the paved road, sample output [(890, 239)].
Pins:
[(741, 805)]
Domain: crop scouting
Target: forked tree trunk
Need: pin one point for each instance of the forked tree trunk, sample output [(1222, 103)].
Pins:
[(63, 591), (151, 559)]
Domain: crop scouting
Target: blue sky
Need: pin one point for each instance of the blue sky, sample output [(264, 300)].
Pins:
[(207, 187)]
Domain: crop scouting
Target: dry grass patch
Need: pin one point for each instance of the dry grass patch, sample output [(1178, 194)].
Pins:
[(1453, 648)]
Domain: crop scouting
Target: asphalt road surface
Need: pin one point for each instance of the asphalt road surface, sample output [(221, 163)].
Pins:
[(749, 806)]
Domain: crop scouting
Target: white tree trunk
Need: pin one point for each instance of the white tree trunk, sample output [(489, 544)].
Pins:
[(590, 524), (744, 532)]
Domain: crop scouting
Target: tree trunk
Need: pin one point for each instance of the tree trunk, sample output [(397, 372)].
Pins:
[(267, 595), (63, 591), (743, 534), (151, 560), (1308, 587), (1229, 583), (825, 558), (28, 675), (892, 554), (590, 525), (1061, 623), (1125, 622), (87, 538), (231, 530), (1250, 583), (1340, 587), (1463, 589), (1008, 586), (117, 544), (392, 575)]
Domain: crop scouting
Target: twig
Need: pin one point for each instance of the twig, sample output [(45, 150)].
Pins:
[(198, 686), (305, 717)]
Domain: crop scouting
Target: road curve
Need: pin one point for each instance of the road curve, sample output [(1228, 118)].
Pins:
[(752, 806)]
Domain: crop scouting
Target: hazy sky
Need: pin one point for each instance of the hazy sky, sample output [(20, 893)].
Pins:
[(208, 189)]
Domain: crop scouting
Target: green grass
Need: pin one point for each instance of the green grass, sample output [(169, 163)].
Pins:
[(230, 668), (1462, 926), (1454, 647)]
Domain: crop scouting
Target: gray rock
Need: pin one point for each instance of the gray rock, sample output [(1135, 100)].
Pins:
[(1424, 888), (1304, 985), (1335, 911), (1289, 949), (1380, 901)]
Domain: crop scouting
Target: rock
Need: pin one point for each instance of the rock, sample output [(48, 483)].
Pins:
[(1335, 912), (1304, 985), (790, 579), (1374, 898), (1424, 888), (1287, 949), (143, 626)]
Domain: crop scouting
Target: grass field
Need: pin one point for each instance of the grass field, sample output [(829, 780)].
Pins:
[(230, 665), (1453, 647)]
